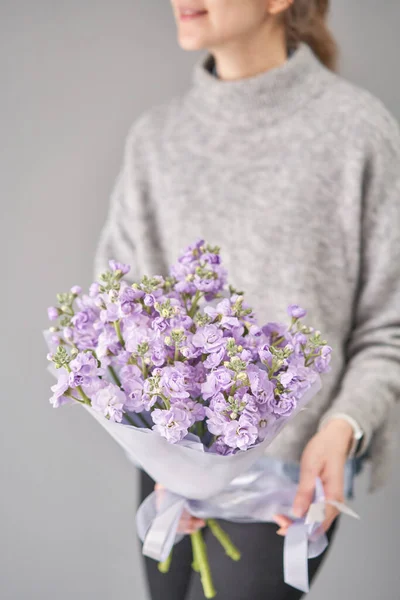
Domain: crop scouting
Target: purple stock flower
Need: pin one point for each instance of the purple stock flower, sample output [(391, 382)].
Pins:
[(107, 343), (173, 383), (149, 300), (76, 289), (295, 311), (214, 359), (58, 398), (260, 384), (220, 379), (136, 331), (209, 338), (159, 324), (189, 351), (251, 409), (94, 290), (158, 353), (298, 378), (83, 369), (223, 310), (117, 266), (128, 300), (83, 320), (284, 406), (219, 447), (322, 362), (299, 340), (134, 392), (195, 410), (191, 253), (211, 284), (275, 331), (240, 434), (94, 385), (172, 424), (109, 401), (111, 313)]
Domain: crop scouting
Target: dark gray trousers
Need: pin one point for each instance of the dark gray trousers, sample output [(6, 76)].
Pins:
[(258, 575)]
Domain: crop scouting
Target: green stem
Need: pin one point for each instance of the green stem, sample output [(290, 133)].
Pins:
[(74, 398), (213, 440), (144, 369), (195, 564), (166, 401), (201, 560), (224, 539), (278, 341), (199, 429), (114, 375), (132, 422), (185, 302), (176, 355), (164, 566), (85, 398), (310, 358), (195, 302), (117, 328)]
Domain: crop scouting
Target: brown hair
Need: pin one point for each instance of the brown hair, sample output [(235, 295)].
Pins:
[(305, 21)]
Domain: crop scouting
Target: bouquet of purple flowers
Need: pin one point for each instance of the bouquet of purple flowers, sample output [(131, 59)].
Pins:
[(180, 373)]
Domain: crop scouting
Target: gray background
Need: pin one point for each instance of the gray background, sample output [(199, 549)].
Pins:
[(74, 76)]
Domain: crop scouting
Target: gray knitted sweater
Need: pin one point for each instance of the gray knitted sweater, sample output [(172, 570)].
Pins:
[(295, 173)]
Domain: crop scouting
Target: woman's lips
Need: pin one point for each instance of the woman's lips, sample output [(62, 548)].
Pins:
[(188, 15)]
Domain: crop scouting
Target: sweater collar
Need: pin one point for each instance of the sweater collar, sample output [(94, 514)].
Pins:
[(269, 95)]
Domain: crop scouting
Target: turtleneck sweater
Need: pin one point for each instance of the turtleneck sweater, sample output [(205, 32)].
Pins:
[(295, 174)]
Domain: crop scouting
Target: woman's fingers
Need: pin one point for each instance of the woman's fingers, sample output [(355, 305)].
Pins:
[(333, 482), (159, 494), (283, 522), (187, 524), (330, 515), (306, 487)]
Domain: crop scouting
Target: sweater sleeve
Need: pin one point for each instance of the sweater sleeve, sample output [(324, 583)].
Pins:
[(370, 384), (114, 243), (120, 233)]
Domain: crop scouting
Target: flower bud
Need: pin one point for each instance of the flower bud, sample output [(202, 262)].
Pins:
[(68, 334), (53, 313), (94, 290)]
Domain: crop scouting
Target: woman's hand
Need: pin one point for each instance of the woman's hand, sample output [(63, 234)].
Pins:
[(324, 456), (187, 524)]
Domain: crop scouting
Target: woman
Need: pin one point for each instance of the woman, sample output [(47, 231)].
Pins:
[(295, 173)]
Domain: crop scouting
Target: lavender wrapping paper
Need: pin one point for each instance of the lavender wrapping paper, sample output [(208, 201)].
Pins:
[(185, 468), (237, 487)]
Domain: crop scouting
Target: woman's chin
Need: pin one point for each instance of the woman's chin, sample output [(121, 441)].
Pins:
[(191, 42)]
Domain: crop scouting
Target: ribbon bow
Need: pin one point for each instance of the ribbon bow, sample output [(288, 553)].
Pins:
[(255, 496)]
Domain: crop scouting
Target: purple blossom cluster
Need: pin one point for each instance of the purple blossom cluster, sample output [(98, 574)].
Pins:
[(182, 354)]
